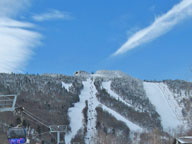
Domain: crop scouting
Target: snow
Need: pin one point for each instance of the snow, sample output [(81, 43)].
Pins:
[(131, 125), (66, 85), (162, 98), (158, 93), (92, 114), (76, 115), (169, 96), (107, 87)]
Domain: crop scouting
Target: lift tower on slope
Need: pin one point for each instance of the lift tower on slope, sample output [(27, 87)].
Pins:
[(7, 103), (58, 129)]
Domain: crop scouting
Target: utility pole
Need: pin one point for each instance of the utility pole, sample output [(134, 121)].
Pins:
[(58, 129)]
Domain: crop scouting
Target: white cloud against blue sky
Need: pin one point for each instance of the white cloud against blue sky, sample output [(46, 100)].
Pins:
[(81, 35), (160, 26), (12, 8), (52, 15), (16, 37)]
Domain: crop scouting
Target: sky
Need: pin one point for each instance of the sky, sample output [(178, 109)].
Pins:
[(148, 39)]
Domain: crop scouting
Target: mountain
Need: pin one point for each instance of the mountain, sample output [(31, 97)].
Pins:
[(105, 107)]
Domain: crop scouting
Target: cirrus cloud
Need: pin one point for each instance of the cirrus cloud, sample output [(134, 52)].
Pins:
[(52, 15), (160, 26), (17, 38)]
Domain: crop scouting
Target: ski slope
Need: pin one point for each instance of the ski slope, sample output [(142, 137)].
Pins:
[(162, 98), (76, 116), (92, 114), (107, 87), (131, 125)]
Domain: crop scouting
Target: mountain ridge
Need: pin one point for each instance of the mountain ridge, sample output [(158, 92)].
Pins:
[(119, 96)]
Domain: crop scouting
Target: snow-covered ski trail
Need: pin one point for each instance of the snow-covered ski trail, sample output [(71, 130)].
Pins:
[(92, 114), (107, 87), (119, 117), (159, 99), (76, 116), (169, 96)]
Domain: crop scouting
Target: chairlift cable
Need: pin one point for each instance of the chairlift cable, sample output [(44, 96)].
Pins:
[(40, 133), (34, 116), (36, 119)]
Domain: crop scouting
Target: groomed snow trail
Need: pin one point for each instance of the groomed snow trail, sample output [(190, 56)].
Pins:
[(92, 114), (171, 101), (107, 87), (131, 125), (159, 98), (75, 113), (76, 116)]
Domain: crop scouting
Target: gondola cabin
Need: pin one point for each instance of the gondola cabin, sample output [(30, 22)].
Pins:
[(16, 135)]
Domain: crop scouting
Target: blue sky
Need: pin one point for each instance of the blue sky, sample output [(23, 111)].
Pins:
[(84, 35)]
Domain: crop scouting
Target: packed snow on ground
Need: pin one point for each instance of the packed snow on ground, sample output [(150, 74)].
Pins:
[(76, 116), (66, 85), (158, 94), (131, 125), (107, 87), (169, 96), (75, 113), (92, 114)]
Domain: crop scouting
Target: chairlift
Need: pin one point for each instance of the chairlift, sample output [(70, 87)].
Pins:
[(16, 135)]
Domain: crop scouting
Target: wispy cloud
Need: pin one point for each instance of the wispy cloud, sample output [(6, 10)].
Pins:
[(11, 8), (52, 15), (16, 37), (160, 26)]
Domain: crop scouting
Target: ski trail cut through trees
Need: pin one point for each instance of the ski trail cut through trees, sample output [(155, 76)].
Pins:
[(76, 116), (158, 99)]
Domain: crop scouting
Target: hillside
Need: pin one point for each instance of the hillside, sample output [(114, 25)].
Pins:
[(105, 107)]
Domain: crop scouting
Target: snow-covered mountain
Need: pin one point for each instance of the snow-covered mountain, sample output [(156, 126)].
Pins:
[(104, 107)]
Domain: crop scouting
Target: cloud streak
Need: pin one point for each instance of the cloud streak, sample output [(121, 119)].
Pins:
[(11, 8), (16, 37), (160, 26), (16, 43), (52, 15)]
